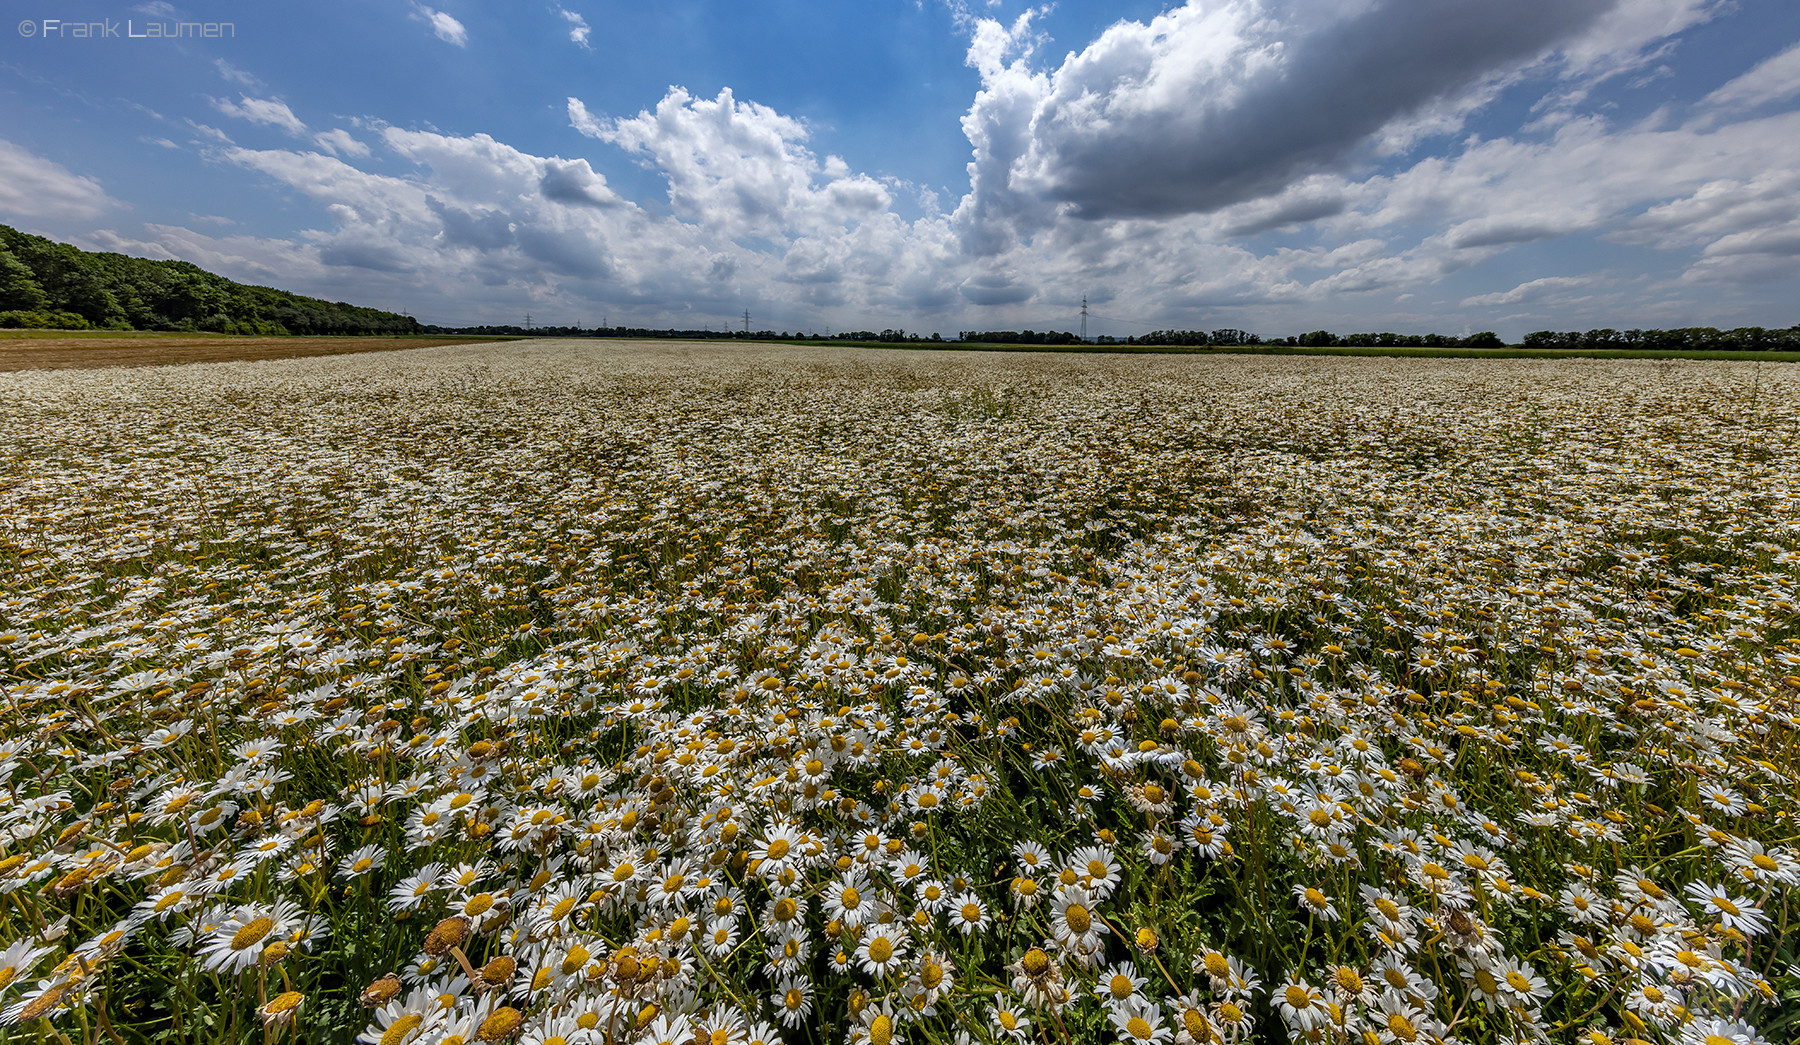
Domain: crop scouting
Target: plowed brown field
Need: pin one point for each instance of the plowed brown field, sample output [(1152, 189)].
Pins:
[(87, 353)]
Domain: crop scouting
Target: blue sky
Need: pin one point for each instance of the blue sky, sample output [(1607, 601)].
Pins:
[(1276, 165)]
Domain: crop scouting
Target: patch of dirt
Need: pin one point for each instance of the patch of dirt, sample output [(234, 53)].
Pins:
[(88, 353)]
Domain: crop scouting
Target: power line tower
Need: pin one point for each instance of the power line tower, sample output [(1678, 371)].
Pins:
[(1084, 315), (746, 321), (527, 321)]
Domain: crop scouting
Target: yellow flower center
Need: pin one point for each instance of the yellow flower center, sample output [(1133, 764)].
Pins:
[(400, 1029), (1078, 918), (251, 934)]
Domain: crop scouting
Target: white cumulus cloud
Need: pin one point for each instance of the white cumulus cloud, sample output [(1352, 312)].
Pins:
[(448, 29), (739, 167), (34, 187), (339, 142), (1775, 80), (268, 111), (578, 27), (1531, 290), (236, 75)]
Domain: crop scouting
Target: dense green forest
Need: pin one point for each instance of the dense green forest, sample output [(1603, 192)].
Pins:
[(54, 285)]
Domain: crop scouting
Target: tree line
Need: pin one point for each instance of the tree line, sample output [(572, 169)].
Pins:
[(1740, 339), (1751, 339), (46, 284), (1229, 337)]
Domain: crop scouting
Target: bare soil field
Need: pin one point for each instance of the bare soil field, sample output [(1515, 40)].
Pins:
[(132, 349)]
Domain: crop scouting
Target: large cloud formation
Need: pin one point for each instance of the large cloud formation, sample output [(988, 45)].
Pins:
[(1228, 158), (1213, 104)]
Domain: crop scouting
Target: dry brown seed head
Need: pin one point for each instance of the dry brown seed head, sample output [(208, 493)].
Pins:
[(625, 967), (381, 991), (44, 1002), (450, 932)]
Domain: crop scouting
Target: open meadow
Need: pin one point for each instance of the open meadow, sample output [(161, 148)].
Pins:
[(613, 692)]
